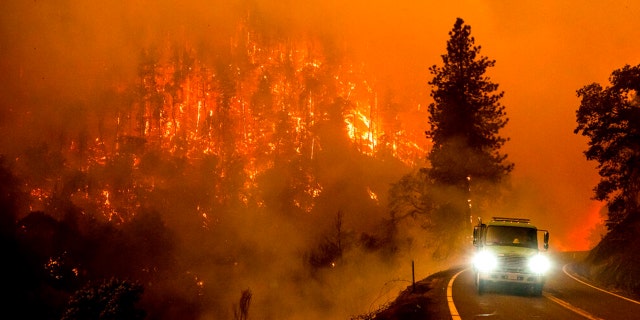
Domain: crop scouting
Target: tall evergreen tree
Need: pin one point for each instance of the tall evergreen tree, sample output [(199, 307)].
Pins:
[(465, 119), (610, 118)]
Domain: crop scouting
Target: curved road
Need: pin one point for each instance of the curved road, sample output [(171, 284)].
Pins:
[(564, 297)]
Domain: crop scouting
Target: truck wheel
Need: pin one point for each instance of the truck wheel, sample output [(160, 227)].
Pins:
[(536, 290)]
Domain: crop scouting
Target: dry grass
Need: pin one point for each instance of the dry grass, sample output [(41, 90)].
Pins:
[(427, 301)]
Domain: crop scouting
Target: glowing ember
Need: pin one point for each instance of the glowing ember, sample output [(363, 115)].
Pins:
[(372, 195)]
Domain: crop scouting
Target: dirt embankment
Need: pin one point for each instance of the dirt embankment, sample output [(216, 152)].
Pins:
[(615, 262), (427, 300)]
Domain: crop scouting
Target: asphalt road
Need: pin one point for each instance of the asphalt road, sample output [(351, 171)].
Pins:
[(564, 297)]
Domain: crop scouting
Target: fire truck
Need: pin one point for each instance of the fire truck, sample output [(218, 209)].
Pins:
[(507, 252)]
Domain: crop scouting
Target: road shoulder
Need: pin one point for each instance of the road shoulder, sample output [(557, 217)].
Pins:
[(427, 301)]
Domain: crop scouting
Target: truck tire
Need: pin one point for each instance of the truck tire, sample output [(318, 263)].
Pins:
[(536, 289)]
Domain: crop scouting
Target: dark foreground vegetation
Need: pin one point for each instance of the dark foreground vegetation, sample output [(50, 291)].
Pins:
[(609, 116), (424, 301), (615, 262)]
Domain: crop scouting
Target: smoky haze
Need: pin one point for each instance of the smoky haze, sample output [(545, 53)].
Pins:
[(65, 67)]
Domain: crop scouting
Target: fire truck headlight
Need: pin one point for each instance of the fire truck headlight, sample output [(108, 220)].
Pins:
[(539, 264), (485, 261)]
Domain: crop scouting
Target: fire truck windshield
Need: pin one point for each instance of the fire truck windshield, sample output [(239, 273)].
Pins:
[(511, 236)]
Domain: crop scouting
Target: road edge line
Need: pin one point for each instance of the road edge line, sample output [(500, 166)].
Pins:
[(564, 269), (452, 306), (571, 307)]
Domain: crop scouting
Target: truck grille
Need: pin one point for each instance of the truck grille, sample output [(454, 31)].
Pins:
[(512, 263)]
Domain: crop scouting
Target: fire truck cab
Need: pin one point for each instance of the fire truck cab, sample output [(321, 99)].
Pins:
[(507, 252)]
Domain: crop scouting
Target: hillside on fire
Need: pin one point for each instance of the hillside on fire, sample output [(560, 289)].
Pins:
[(256, 173)]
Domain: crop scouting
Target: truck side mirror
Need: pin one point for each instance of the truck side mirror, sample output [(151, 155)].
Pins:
[(476, 236), (546, 240)]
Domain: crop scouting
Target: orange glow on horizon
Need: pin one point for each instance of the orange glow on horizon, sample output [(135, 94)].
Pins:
[(581, 233)]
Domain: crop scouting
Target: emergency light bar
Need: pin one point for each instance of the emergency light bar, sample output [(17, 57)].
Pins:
[(517, 220)]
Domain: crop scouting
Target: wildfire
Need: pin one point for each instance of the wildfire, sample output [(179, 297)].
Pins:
[(205, 219), (372, 195), (361, 131), (105, 194), (40, 194), (266, 103)]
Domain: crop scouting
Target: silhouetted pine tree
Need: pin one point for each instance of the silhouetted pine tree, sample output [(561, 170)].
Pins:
[(610, 118), (464, 119)]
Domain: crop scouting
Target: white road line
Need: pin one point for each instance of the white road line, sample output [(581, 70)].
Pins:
[(452, 307), (564, 269), (567, 305)]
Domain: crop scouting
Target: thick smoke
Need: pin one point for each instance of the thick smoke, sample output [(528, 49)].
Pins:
[(77, 82)]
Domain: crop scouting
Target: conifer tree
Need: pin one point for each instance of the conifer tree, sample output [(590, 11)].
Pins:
[(610, 118), (465, 119)]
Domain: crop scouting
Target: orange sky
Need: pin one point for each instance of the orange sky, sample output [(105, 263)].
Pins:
[(545, 51)]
